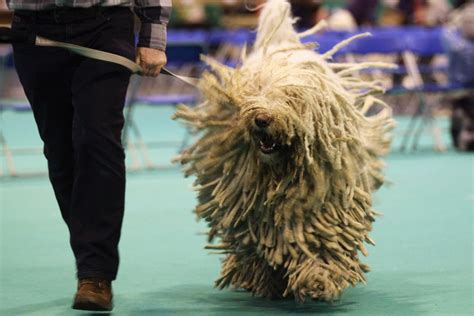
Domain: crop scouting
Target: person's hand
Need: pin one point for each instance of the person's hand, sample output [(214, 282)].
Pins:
[(151, 60)]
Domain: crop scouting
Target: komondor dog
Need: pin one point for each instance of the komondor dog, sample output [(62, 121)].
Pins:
[(285, 163)]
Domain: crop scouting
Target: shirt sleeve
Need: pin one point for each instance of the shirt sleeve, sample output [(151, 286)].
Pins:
[(154, 16)]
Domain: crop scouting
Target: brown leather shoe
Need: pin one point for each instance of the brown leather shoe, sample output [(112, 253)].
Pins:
[(93, 294)]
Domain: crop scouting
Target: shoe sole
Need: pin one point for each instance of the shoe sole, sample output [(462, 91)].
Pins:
[(87, 305)]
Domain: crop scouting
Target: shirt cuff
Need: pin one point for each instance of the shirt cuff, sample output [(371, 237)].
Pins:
[(152, 35)]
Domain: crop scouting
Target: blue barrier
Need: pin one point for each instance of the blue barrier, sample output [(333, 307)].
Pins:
[(185, 46), (420, 40), (425, 42)]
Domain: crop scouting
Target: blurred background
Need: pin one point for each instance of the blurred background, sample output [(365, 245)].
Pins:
[(431, 41), (423, 261)]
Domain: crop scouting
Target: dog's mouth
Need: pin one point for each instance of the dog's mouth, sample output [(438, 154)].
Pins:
[(267, 143)]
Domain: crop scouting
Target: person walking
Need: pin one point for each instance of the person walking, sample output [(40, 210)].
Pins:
[(78, 108)]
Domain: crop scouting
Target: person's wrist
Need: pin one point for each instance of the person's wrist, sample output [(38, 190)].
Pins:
[(159, 48), (152, 35)]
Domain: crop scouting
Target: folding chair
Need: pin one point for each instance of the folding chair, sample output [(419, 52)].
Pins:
[(421, 43), (410, 43)]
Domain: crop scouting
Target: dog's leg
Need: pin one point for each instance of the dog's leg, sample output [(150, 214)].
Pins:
[(252, 273), (321, 279)]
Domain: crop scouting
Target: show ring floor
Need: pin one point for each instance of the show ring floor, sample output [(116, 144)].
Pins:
[(422, 264)]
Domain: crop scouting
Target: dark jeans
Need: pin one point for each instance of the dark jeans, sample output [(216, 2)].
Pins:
[(78, 107)]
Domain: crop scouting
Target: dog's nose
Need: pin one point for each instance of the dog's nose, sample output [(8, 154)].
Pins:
[(263, 120)]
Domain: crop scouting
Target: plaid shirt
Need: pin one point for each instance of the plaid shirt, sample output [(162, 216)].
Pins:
[(154, 14)]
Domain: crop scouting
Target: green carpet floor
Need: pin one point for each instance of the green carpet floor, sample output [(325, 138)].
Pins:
[(422, 264)]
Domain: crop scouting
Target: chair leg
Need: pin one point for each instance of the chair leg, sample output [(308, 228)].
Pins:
[(7, 152), (435, 130), (142, 146), (132, 149), (135, 164), (424, 120), (437, 136), (2, 154), (429, 119), (426, 117), (411, 125), (129, 104)]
